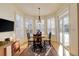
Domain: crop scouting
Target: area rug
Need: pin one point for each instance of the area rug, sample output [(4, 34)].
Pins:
[(50, 51)]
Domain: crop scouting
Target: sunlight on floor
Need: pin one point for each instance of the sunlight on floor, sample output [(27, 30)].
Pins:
[(67, 53), (62, 51)]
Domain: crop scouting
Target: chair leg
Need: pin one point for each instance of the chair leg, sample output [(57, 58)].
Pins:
[(28, 43), (34, 49), (41, 48), (50, 42)]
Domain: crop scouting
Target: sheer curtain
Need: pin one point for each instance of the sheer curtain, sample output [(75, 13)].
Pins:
[(19, 27), (51, 25)]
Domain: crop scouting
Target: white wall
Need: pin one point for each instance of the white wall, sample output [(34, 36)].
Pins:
[(4, 35), (73, 29), (8, 11)]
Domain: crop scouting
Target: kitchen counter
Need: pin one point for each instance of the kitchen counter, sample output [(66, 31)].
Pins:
[(4, 44)]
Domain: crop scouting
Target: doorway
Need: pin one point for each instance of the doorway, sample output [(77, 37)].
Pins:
[(64, 32)]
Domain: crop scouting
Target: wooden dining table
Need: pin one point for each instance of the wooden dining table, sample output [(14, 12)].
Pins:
[(43, 38)]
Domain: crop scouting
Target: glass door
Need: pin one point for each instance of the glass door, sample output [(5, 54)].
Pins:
[(51, 25), (64, 32), (29, 26)]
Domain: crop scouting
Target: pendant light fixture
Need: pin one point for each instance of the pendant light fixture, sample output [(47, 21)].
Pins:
[(39, 15)]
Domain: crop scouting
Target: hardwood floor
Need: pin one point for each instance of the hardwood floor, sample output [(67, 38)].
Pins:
[(55, 45), (22, 48)]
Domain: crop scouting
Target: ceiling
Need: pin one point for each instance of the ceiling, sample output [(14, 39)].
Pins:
[(32, 8)]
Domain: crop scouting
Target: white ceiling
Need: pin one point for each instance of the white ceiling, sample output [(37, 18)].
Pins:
[(32, 8)]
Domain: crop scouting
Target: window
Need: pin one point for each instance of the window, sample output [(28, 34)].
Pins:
[(19, 27), (28, 26), (40, 26), (51, 25), (64, 29)]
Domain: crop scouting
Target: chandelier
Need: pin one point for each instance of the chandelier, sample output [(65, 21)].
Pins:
[(39, 18)]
